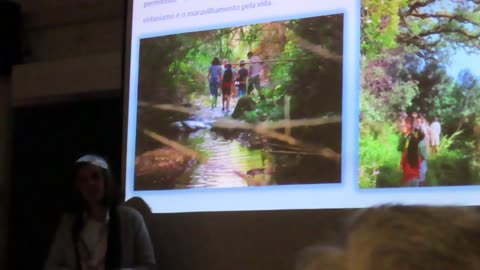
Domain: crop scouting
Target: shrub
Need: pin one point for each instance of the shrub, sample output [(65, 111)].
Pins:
[(379, 158)]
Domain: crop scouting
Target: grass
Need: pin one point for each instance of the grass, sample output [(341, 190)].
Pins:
[(379, 157), (379, 160)]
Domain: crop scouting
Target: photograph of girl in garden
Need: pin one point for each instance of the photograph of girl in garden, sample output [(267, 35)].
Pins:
[(420, 93)]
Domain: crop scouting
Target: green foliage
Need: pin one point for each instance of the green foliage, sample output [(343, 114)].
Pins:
[(455, 164), (314, 83), (386, 105), (281, 70), (386, 86), (452, 165), (271, 108), (389, 176), (446, 141), (379, 158), (406, 48), (251, 116), (380, 25), (457, 160), (326, 31), (457, 103), (432, 79), (155, 63), (448, 168), (268, 108), (434, 26), (250, 35)]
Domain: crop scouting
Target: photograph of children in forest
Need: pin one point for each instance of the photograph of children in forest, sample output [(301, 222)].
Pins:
[(420, 93), (252, 105)]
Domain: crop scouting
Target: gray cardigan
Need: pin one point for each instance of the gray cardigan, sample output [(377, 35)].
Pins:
[(137, 250)]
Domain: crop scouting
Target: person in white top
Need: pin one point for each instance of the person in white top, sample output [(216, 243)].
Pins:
[(98, 234), (435, 131), (254, 70)]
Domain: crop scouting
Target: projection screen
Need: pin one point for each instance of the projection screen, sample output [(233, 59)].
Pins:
[(273, 104)]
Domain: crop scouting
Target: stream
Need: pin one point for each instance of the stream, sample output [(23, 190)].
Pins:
[(231, 158)]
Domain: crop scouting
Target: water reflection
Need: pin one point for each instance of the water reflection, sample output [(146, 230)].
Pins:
[(233, 158), (228, 162)]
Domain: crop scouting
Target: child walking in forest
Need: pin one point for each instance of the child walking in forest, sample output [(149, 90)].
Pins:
[(241, 80), (226, 63), (227, 80), (214, 75)]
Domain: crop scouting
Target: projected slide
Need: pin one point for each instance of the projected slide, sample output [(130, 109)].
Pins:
[(240, 105), (249, 105), (420, 109)]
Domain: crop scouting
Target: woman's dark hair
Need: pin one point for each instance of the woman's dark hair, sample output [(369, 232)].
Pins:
[(110, 200), (412, 151), (111, 189), (215, 61)]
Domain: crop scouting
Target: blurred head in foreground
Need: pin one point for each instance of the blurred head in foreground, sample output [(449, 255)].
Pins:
[(403, 238)]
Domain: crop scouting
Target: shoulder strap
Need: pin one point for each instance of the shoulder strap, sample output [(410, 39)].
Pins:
[(114, 249), (76, 228)]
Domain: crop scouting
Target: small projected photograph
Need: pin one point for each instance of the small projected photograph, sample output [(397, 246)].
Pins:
[(420, 94), (253, 105)]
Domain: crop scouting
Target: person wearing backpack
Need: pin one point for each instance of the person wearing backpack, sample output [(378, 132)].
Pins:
[(234, 90), (227, 80), (214, 74)]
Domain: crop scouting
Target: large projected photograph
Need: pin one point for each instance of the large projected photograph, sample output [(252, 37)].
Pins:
[(249, 105), (420, 94)]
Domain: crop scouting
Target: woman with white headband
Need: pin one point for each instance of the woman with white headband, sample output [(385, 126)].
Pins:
[(99, 234)]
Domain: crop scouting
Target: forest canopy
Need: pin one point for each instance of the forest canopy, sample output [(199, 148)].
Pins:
[(300, 57)]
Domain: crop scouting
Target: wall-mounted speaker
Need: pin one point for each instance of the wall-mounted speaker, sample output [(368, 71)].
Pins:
[(10, 36)]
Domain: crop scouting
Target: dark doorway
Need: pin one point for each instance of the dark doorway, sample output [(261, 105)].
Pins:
[(47, 139)]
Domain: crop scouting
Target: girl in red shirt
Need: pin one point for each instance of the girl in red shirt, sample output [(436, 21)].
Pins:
[(227, 80)]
